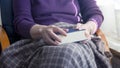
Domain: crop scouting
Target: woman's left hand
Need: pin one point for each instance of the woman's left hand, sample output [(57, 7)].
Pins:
[(90, 28)]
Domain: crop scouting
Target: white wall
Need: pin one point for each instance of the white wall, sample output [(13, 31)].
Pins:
[(111, 24)]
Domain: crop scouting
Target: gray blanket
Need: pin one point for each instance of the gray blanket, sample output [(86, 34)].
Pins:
[(29, 53)]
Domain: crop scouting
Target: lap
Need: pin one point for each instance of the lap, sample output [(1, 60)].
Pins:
[(35, 53), (68, 55)]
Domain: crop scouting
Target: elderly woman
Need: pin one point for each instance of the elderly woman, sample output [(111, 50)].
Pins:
[(39, 21)]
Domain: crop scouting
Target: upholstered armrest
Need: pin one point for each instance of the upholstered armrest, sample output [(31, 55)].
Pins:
[(103, 38), (4, 41)]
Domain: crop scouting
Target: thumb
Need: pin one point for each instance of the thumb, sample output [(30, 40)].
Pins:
[(87, 34)]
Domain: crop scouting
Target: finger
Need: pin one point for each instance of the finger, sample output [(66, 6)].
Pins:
[(82, 26), (57, 42), (87, 34), (60, 30), (78, 25), (66, 30), (54, 36), (48, 40)]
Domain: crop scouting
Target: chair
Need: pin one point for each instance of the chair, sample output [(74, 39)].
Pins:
[(7, 29), (7, 21)]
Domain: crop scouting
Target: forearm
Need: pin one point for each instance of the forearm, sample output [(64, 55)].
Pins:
[(90, 11), (97, 19), (23, 20), (23, 27)]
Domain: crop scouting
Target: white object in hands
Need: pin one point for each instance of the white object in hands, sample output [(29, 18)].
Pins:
[(73, 35)]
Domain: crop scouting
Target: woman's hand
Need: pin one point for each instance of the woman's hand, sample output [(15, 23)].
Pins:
[(90, 28), (47, 33)]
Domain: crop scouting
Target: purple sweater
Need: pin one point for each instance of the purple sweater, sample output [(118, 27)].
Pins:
[(29, 12)]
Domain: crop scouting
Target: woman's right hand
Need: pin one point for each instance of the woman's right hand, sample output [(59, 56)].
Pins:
[(47, 33)]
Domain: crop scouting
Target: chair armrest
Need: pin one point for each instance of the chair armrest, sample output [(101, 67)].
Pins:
[(103, 38), (4, 41)]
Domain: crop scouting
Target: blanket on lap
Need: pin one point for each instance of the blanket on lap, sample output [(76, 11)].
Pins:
[(29, 53)]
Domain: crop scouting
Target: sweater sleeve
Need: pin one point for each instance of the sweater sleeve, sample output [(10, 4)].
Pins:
[(23, 20), (90, 11)]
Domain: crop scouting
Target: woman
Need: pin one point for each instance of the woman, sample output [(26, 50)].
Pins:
[(39, 21)]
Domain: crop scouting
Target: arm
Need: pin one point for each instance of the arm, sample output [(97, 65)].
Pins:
[(26, 27), (23, 20), (90, 11)]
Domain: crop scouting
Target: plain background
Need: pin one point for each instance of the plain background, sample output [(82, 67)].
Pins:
[(111, 24)]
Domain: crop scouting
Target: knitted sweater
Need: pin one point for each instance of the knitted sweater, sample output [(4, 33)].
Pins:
[(45, 12)]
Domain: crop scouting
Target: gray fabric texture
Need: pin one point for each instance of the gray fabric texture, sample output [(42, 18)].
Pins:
[(29, 53)]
